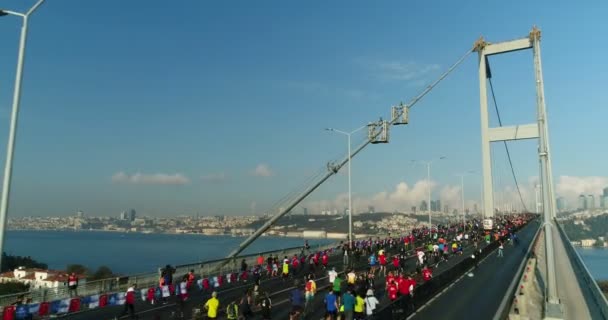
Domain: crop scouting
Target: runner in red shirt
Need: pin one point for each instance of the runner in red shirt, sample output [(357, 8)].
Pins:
[(324, 260), (382, 260), (403, 285), (392, 290), (396, 262), (427, 274), (389, 279)]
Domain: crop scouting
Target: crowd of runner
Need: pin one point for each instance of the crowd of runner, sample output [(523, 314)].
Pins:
[(373, 272)]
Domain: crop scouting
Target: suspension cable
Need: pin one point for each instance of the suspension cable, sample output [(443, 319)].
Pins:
[(507, 148)]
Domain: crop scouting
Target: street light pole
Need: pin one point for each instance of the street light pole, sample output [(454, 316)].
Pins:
[(350, 196), (461, 175), (428, 181), (8, 166), (462, 198), (428, 184)]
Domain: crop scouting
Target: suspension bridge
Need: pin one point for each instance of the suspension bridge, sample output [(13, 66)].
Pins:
[(544, 278)]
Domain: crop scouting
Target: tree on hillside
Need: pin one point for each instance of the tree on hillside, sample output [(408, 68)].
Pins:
[(102, 272), (10, 262), (13, 287), (76, 268)]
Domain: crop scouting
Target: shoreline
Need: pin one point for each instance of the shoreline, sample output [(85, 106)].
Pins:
[(173, 233), (296, 236)]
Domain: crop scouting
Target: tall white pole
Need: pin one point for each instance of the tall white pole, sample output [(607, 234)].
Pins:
[(462, 197), (8, 166), (10, 148), (350, 199), (428, 181)]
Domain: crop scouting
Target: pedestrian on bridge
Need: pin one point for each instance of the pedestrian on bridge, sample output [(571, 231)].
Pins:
[(130, 302), (500, 249)]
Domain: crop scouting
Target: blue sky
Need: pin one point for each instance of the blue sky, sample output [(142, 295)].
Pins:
[(170, 107)]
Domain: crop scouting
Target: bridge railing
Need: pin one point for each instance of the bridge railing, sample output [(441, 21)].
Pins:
[(150, 279), (583, 273)]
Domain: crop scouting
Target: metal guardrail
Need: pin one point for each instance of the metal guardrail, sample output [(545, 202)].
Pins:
[(150, 279), (585, 276)]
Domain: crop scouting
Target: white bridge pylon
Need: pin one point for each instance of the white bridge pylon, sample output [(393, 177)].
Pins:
[(538, 130)]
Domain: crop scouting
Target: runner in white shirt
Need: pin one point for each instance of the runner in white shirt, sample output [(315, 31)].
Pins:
[(421, 257), (370, 302), (332, 275)]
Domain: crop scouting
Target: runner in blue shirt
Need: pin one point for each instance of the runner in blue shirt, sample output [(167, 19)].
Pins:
[(331, 304), (373, 262)]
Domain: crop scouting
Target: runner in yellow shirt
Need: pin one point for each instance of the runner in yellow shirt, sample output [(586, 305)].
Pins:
[(212, 305)]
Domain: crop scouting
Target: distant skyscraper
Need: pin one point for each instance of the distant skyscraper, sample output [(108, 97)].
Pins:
[(79, 214), (132, 215), (413, 209), (123, 215), (423, 206), (305, 211), (590, 202), (582, 202), (560, 203), (605, 192), (605, 198), (438, 205)]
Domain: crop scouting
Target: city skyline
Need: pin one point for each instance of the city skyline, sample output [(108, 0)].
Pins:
[(222, 107)]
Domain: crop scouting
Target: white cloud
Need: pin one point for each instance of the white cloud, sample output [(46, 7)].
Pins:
[(262, 170), (214, 177), (404, 196), (411, 71), (154, 178), (570, 187)]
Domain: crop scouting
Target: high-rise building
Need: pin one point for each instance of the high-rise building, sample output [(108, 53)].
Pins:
[(605, 192), (605, 198), (438, 205), (79, 214), (132, 214), (560, 202), (414, 209), (123, 215), (305, 211), (590, 202), (423, 206), (582, 202)]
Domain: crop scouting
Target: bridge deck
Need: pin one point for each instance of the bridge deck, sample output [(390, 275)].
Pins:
[(479, 297)]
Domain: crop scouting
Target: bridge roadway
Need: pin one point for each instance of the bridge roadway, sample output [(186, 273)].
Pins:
[(479, 297), (279, 295), (319, 306)]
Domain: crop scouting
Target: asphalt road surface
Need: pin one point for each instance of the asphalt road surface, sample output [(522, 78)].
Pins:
[(479, 297)]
